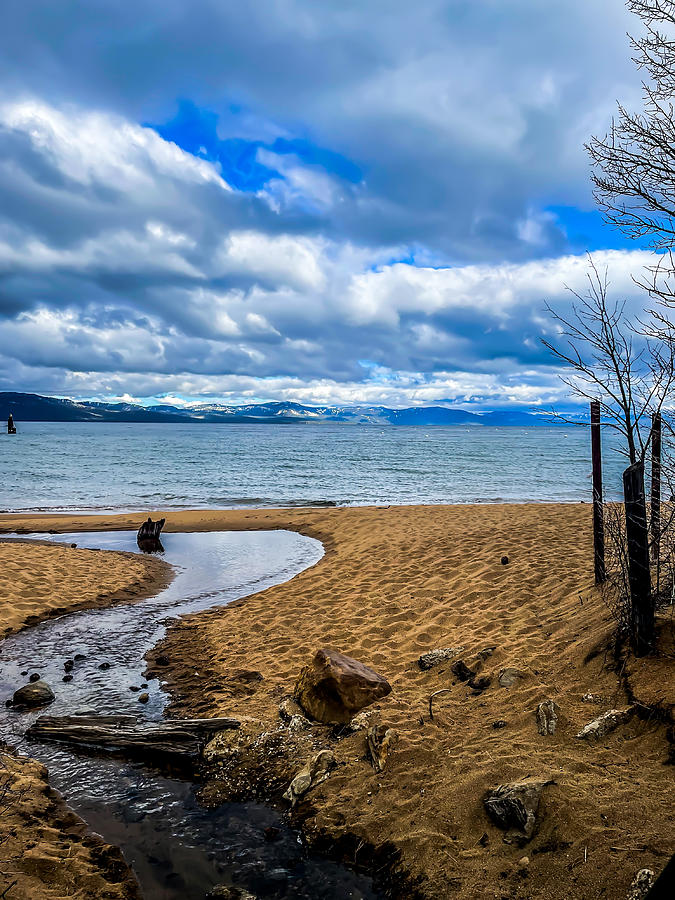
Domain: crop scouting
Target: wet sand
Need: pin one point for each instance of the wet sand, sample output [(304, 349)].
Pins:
[(397, 582)]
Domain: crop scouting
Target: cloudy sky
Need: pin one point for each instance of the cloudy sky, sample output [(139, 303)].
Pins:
[(319, 200)]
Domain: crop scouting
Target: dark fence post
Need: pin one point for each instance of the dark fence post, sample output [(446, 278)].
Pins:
[(656, 487), (642, 611), (598, 520)]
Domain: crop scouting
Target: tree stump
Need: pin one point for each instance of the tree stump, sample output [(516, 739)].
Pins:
[(148, 536)]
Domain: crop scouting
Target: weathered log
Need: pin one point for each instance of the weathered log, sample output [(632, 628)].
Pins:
[(180, 738), (148, 536)]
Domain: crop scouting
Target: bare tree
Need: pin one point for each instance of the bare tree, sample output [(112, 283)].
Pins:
[(627, 365), (634, 164)]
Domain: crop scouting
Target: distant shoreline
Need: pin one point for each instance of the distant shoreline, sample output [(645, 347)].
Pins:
[(36, 408)]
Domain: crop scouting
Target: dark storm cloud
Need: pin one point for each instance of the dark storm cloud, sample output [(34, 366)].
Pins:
[(461, 116), (250, 237)]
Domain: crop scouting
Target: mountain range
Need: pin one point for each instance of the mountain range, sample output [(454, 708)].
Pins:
[(36, 408)]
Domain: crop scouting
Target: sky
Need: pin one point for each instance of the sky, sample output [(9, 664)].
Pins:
[(330, 202)]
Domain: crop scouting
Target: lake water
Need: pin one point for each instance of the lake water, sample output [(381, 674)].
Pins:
[(92, 466)]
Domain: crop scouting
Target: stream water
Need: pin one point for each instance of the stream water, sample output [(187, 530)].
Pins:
[(178, 849)]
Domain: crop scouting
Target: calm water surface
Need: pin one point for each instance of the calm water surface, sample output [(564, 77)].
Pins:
[(93, 466)]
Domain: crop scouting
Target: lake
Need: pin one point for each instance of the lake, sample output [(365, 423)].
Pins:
[(102, 466)]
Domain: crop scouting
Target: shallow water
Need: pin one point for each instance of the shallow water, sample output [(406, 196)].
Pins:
[(178, 849)]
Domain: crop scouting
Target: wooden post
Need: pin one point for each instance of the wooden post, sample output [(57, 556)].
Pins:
[(656, 487), (598, 520), (642, 611)]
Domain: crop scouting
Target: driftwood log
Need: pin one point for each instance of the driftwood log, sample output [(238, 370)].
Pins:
[(183, 738), (148, 536)]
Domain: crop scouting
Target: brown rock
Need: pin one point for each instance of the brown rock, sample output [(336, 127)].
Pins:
[(334, 687), (547, 717)]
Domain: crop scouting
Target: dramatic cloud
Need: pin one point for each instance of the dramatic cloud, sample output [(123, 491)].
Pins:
[(320, 201)]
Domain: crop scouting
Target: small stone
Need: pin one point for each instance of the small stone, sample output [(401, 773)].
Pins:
[(104, 666), (69, 665), (547, 717), (229, 892), (606, 723), (509, 676), (30, 696), (436, 657), (591, 698), (514, 807), (132, 687), (505, 560), (462, 671), (478, 685), (144, 685), (314, 772), (641, 885), (162, 660), (143, 698), (79, 657), (23, 674), (289, 708), (73, 546), (484, 654), (379, 742), (500, 723), (67, 678), (35, 676)]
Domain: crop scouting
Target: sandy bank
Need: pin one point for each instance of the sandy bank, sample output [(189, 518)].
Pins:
[(42, 581), (395, 583)]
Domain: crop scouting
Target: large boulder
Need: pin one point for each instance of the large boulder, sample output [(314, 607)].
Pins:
[(30, 696), (334, 687), (514, 807)]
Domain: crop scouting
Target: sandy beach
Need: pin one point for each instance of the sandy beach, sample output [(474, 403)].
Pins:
[(398, 582)]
